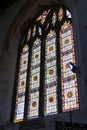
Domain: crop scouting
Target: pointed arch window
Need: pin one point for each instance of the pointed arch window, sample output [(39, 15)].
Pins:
[(45, 84)]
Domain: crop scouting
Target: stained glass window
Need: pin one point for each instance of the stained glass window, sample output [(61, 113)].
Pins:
[(54, 18), (21, 88), (34, 30), (60, 14), (50, 75), (28, 34), (68, 14), (45, 76), (68, 78), (34, 80), (42, 17)]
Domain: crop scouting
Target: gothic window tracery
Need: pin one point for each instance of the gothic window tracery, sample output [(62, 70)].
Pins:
[(51, 39)]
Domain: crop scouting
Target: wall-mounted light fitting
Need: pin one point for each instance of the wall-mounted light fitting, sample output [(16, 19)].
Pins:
[(74, 68)]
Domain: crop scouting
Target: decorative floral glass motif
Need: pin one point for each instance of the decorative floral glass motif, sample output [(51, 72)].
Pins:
[(21, 88), (68, 78), (50, 75), (34, 80)]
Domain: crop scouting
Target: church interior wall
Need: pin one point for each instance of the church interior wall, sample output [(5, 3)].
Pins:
[(8, 58)]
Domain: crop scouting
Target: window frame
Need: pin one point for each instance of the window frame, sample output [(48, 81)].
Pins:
[(42, 68)]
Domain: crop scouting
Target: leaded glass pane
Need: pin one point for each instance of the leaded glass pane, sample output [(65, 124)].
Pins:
[(69, 79), (34, 31), (54, 18), (21, 87), (40, 31), (50, 106), (68, 14), (34, 80), (28, 35), (42, 17), (60, 14)]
